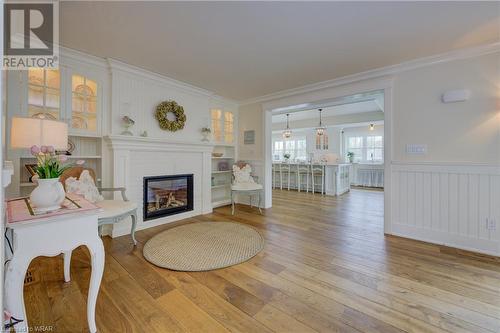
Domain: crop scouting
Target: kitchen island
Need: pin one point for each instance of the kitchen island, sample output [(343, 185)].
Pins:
[(336, 177)]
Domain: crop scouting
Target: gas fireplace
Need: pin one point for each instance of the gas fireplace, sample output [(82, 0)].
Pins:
[(167, 195)]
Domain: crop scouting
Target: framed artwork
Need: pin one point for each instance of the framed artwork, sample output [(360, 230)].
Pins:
[(249, 137), (31, 170), (223, 166)]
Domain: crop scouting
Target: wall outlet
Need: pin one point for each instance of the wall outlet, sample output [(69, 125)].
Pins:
[(491, 224), (416, 149)]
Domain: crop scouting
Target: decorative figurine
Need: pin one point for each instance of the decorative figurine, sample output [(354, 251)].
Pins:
[(127, 123), (205, 132)]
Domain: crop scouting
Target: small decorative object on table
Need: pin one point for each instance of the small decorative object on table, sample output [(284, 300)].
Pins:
[(69, 150), (217, 154), (205, 132), (144, 134), (127, 123), (31, 170), (49, 194)]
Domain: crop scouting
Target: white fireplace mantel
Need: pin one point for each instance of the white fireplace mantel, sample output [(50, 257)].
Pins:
[(130, 142), (133, 158)]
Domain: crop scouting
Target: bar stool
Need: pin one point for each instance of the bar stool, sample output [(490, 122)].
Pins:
[(276, 173), (318, 171), (285, 170), (303, 170)]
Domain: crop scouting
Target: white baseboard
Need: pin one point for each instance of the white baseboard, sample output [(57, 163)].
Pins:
[(484, 246)]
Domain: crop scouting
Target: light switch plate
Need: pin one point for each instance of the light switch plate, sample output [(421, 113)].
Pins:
[(416, 149)]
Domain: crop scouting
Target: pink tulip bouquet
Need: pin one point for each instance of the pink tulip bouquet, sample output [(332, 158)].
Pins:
[(50, 165)]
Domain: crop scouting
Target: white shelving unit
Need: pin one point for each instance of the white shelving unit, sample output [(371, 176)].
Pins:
[(222, 175)]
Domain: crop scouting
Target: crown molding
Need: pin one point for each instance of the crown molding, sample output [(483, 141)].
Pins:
[(81, 57), (383, 71)]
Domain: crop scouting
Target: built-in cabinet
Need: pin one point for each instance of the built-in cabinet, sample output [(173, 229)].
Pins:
[(222, 125), (223, 158), (74, 93), (224, 154), (64, 94)]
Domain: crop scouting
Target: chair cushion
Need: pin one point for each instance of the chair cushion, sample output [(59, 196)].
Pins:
[(246, 187), (242, 175), (113, 208), (83, 186)]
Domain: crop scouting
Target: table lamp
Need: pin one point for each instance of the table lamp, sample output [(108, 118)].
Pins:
[(28, 132)]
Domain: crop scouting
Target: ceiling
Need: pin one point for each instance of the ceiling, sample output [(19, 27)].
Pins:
[(353, 108), (243, 50)]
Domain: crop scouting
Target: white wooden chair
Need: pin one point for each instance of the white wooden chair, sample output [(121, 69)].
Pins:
[(318, 171), (244, 183), (113, 211), (303, 170)]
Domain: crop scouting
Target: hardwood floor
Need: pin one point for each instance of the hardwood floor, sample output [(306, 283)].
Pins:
[(326, 267)]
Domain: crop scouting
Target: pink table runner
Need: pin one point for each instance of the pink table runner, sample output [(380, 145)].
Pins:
[(20, 209)]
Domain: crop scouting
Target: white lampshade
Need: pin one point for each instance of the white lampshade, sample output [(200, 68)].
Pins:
[(27, 132)]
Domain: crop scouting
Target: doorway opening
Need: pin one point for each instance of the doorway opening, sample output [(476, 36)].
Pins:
[(332, 152)]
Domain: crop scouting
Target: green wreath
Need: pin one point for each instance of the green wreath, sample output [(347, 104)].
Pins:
[(163, 109)]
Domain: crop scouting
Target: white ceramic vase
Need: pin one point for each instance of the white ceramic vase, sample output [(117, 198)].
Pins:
[(48, 195)]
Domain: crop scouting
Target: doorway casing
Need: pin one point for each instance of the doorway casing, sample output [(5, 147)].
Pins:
[(384, 84)]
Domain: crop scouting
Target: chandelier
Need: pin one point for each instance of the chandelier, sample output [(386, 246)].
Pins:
[(320, 130), (287, 133)]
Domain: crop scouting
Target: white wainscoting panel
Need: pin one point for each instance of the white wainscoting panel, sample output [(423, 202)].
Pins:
[(454, 205)]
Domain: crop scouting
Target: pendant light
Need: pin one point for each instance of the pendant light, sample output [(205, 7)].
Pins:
[(320, 130), (372, 127), (287, 133)]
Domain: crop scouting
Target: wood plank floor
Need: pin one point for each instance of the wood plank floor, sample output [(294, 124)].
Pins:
[(326, 267)]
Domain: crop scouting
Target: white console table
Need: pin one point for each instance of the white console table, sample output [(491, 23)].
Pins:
[(50, 237)]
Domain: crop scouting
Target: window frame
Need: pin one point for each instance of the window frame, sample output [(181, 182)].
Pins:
[(362, 148), (297, 152)]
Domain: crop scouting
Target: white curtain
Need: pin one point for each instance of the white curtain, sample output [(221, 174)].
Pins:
[(369, 175)]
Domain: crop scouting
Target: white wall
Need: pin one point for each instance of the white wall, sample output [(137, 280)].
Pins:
[(460, 172), (466, 132), (137, 92)]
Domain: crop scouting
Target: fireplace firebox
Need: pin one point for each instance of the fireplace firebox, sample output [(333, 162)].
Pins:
[(167, 195)]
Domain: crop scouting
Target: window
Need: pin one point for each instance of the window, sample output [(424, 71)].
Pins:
[(297, 148), (366, 148), (374, 148), (44, 93), (228, 127), (84, 103), (216, 124)]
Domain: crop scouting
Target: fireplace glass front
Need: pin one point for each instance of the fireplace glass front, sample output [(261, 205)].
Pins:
[(167, 195)]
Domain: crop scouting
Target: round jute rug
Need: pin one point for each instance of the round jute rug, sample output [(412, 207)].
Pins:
[(203, 246)]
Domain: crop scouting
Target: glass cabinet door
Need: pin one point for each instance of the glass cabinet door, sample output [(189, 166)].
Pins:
[(228, 127), (222, 126), (84, 108), (216, 117), (44, 93)]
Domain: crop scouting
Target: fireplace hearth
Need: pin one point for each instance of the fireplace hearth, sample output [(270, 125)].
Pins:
[(167, 195)]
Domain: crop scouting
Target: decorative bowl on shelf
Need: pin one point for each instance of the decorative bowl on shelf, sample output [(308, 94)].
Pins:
[(217, 154)]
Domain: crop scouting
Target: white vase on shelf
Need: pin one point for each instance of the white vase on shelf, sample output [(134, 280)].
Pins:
[(48, 195)]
